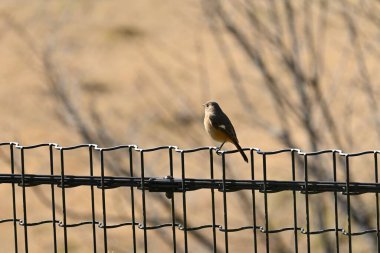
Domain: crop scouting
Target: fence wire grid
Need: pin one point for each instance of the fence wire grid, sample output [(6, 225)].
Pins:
[(176, 190)]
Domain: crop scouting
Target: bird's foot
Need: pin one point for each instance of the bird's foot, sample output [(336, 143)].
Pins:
[(218, 151)]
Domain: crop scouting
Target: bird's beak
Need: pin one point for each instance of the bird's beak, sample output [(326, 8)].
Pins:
[(204, 105)]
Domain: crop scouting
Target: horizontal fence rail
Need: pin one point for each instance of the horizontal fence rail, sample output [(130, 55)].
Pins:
[(167, 184), (171, 186)]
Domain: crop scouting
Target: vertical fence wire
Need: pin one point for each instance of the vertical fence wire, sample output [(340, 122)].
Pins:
[(143, 200), (93, 218), (171, 173), (63, 200), (254, 222), (14, 209), (225, 214), (294, 204), (377, 202), (104, 206), (54, 224), (183, 175), (25, 221), (307, 204), (213, 202), (266, 214), (348, 203), (335, 204), (132, 201)]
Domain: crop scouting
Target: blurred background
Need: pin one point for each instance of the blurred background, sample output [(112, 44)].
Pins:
[(299, 74)]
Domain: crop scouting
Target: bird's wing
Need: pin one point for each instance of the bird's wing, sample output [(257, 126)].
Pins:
[(223, 123)]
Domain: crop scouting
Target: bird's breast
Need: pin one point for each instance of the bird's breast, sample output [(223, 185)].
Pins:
[(215, 133)]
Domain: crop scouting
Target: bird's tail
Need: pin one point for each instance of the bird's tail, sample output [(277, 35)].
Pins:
[(241, 151)]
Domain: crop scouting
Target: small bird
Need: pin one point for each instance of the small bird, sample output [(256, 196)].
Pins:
[(219, 126)]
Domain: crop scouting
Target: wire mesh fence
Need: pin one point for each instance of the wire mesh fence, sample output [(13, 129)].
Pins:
[(345, 230)]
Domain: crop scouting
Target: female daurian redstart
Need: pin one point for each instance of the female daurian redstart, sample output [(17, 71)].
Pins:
[(219, 126)]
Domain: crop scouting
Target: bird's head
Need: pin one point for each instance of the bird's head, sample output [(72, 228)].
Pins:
[(211, 106)]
